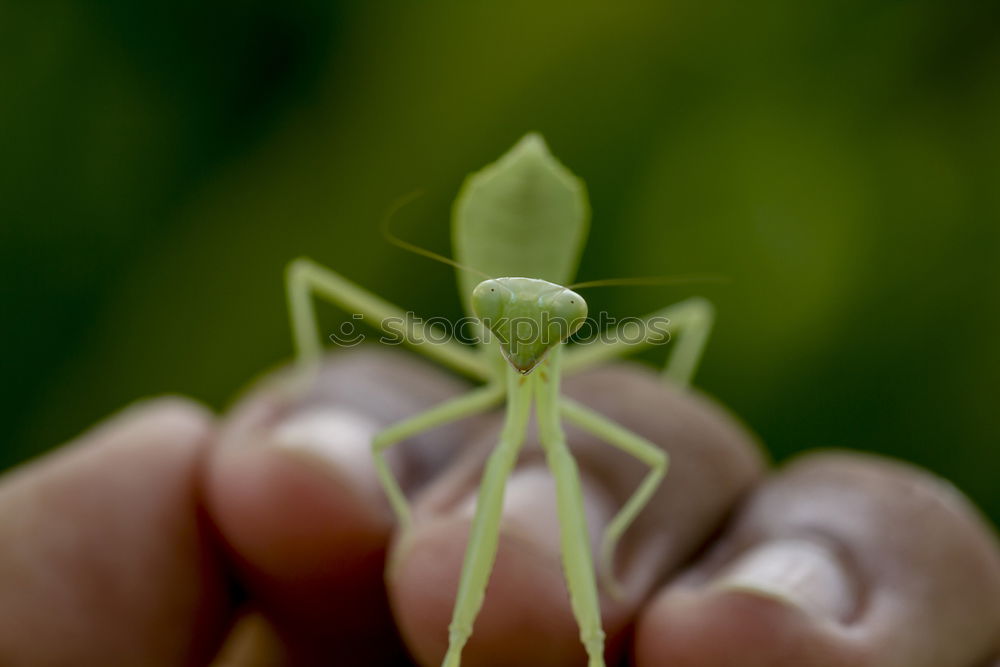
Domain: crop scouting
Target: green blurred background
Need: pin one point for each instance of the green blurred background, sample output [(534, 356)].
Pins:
[(161, 162)]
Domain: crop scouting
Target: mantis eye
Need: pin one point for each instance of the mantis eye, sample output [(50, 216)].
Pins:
[(569, 307), (489, 299)]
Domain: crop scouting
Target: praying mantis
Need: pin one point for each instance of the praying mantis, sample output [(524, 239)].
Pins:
[(518, 229)]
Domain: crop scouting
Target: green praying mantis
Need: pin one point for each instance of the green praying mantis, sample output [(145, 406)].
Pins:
[(519, 225)]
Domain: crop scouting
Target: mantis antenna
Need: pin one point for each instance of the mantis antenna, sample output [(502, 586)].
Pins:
[(389, 236), (651, 281)]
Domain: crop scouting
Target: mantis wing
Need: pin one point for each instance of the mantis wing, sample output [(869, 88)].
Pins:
[(525, 215)]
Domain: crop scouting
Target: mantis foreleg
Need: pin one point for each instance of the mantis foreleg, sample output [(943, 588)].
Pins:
[(575, 542), (484, 537)]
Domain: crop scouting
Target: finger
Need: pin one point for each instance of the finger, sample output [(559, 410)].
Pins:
[(526, 618), (105, 561), (839, 560), (293, 490)]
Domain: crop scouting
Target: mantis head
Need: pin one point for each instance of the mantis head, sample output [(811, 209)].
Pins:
[(528, 316)]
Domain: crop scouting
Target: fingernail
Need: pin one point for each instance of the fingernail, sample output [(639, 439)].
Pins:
[(798, 572), (530, 514), (337, 438)]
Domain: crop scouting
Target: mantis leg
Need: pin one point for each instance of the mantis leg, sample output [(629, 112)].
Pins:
[(476, 401), (575, 541), (304, 277), (690, 321), (485, 534), (638, 447)]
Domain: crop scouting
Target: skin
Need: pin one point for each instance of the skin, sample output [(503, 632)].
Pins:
[(166, 533)]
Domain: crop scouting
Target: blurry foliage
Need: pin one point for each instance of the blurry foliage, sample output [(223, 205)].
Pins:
[(839, 161)]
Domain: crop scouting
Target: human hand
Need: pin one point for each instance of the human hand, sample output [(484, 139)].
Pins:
[(144, 541)]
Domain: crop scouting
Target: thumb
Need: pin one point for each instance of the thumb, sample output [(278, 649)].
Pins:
[(105, 561)]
